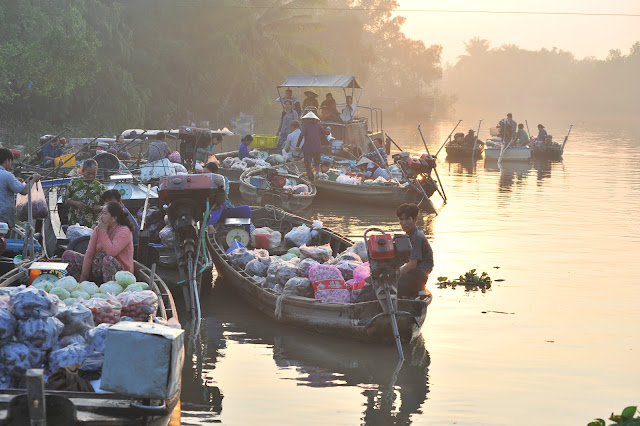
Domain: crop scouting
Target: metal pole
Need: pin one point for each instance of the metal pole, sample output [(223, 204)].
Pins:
[(566, 137), (475, 141), (448, 138), (528, 131), (30, 220), (434, 167), (394, 323), (144, 211), (393, 142)]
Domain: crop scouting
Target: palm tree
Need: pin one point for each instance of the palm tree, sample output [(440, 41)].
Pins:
[(477, 46)]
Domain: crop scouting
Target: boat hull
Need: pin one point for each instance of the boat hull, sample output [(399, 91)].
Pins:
[(368, 194), (511, 154), (463, 151), (257, 196)]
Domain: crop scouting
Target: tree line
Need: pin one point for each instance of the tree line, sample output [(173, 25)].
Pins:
[(104, 66)]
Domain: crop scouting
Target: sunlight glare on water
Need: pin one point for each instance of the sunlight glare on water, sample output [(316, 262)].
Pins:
[(556, 342)]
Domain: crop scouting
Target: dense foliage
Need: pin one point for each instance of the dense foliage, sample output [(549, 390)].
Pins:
[(103, 66), (625, 418)]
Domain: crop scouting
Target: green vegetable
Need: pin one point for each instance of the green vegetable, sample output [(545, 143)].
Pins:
[(144, 286), (60, 292), (295, 251), (134, 287), (79, 294), (70, 301), (100, 296), (288, 256), (111, 287), (44, 285), (88, 287), (125, 278), (68, 283)]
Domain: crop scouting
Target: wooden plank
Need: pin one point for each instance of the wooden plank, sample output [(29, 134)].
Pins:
[(35, 397), (55, 218)]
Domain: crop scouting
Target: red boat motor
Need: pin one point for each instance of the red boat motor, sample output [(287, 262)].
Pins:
[(190, 199), (386, 254)]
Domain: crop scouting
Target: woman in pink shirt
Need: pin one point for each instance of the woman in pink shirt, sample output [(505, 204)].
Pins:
[(110, 247)]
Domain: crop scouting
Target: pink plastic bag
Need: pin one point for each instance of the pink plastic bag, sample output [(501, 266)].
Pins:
[(362, 272), (174, 157), (328, 284)]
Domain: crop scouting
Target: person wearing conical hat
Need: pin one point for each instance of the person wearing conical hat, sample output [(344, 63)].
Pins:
[(313, 133), (371, 170), (311, 99)]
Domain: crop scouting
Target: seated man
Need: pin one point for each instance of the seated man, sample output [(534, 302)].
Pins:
[(51, 150), (349, 111), (470, 139), (114, 195), (522, 138), (415, 273), (158, 149), (377, 153), (371, 170), (328, 109)]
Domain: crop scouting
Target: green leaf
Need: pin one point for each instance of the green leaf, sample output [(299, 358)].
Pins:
[(597, 422), (629, 412)]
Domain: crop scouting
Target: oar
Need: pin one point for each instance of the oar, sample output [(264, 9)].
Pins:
[(393, 142), (502, 151), (73, 156), (448, 138), (52, 138), (435, 169), (475, 142), (566, 137), (528, 131)]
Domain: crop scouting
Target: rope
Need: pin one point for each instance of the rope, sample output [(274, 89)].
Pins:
[(278, 311)]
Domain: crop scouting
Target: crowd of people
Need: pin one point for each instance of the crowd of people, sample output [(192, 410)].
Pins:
[(514, 132)]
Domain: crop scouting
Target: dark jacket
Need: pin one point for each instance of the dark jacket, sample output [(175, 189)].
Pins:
[(312, 133)]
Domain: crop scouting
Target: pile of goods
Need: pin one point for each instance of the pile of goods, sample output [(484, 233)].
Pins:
[(39, 330), (251, 163), (307, 269)]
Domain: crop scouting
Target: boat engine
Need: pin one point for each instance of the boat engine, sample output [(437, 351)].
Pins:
[(188, 197), (418, 169), (386, 254), (191, 139)]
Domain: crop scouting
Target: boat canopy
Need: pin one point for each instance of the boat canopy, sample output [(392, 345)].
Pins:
[(321, 80)]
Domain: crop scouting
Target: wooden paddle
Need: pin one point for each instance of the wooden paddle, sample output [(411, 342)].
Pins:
[(475, 142), (444, 196), (448, 138)]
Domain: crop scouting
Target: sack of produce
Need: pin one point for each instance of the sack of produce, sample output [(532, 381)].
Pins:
[(8, 325), (76, 231), (39, 208), (240, 257), (359, 248), (347, 256), (286, 270), (76, 319), (31, 302), (299, 286), (271, 280), (300, 189), (97, 338), (260, 280), (304, 265), (138, 305), (227, 162), (106, 310), (5, 301), (355, 288), (318, 253), (328, 284), (298, 236), (167, 236), (68, 355), (266, 238), (256, 267), (40, 333), (15, 358), (70, 340), (362, 272), (347, 267)]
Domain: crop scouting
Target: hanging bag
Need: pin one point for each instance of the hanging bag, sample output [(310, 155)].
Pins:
[(39, 207)]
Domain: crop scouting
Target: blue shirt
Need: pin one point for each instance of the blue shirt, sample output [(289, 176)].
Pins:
[(374, 172), (9, 187), (49, 151), (243, 152), (541, 134)]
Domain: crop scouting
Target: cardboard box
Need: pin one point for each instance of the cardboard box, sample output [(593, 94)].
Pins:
[(143, 359)]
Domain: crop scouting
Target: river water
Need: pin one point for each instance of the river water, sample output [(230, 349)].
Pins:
[(555, 341)]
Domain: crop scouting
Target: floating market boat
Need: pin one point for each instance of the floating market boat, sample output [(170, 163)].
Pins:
[(277, 187), (389, 193), (455, 150), (358, 321), (79, 408), (518, 153)]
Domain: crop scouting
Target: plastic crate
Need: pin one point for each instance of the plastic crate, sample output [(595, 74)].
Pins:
[(67, 160), (265, 141)]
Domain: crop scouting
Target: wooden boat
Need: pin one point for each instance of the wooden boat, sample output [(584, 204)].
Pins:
[(268, 194), (552, 151), (357, 321), (464, 151), (372, 194), (94, 408)]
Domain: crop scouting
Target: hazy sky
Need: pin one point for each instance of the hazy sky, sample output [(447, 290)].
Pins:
[(582, 35)]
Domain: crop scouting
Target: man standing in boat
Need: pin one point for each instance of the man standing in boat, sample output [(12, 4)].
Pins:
[(9, 187), (508, 127)]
